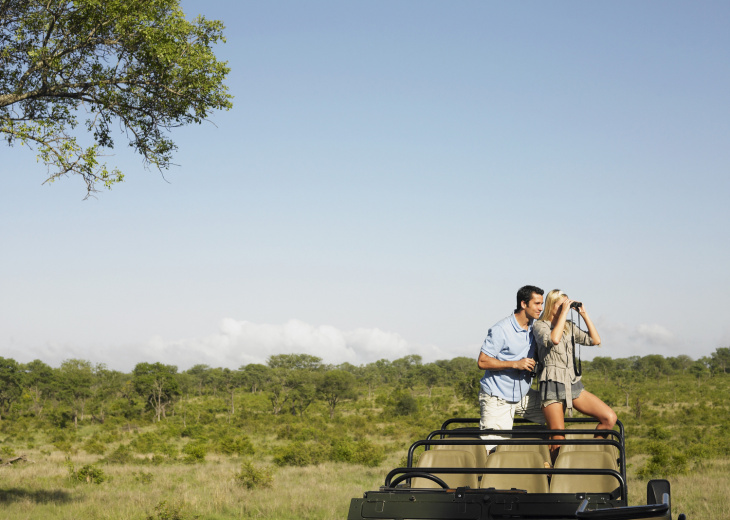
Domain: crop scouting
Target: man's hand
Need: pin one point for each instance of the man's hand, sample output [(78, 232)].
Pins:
[(525, 364)]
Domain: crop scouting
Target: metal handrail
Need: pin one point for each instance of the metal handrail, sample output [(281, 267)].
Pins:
[(618, 444), (520, 421), (622, 486)]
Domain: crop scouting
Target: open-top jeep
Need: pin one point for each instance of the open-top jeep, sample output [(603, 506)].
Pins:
[(455, 478)]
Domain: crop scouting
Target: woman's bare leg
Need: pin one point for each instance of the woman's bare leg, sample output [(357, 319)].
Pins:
[(589, 404), (555, 419)]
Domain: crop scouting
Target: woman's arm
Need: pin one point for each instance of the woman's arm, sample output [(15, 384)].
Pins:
[(592, 332), (557, 333)]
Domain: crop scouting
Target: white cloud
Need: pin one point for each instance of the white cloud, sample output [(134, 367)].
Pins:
[(654, 334), (240, 342), (243, 342)]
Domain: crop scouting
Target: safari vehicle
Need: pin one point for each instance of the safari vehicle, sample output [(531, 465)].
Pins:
[(455, 478)]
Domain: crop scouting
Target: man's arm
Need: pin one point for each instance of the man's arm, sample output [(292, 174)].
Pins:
[(486, 362)]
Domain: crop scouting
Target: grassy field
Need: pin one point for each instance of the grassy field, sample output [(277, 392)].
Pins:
[(43, 489), (681, 422)]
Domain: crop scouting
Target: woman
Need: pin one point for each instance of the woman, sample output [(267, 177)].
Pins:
[(560, 385)]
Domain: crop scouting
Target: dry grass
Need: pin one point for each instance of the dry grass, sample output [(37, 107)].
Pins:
[(43, 490), (702, 493)]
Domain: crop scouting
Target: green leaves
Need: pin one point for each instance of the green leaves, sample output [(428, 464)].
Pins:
[(137, 64)]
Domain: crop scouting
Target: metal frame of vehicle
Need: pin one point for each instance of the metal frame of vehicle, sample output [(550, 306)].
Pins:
[(396, 499)]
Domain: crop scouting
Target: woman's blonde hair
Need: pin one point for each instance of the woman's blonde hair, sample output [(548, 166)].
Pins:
[(550, 300)]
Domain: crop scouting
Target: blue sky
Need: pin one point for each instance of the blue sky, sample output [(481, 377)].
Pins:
[(391, 173)]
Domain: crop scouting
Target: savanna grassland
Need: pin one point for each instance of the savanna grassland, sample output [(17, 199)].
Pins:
[(298, 439)]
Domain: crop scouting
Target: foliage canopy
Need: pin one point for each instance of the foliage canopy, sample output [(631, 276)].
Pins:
[(136, 63)]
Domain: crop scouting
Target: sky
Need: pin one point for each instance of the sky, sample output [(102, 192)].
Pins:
[(390, 174)]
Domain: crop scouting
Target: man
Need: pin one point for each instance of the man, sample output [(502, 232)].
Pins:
[(508, 359)]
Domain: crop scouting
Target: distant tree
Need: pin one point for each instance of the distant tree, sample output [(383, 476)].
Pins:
[(381, 371), (295, 361), (133, 64), (187, 384), (467, 387), (700, 368), (349, 367), (651, 366), (74, 380), (215, 379), (623, 369), (431, 375), (457, 366), (371, 378), (403, 404), (10, 383), (336, 386), (602, 365), (37, 382), (157, 384), (255, 376), (407, 370), (721, 360), (302, 385), (466, 381), (276, 386), (199, 375), (680, 363), (231, 380), (406, 364), (105, 387)]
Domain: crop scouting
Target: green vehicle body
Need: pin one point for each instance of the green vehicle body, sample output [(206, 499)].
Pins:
[(590, 484)]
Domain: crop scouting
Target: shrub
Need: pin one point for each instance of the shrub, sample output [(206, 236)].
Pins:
[(194, 431), (94, 447), (360, 452), (368, 454), (700, 451), (343, 450), (122, 455), (143, 477), (157, 459), (195, 452), (153, 443), (88, 473), (230, 446), (301, 454), (64, 446), (165, 511), (145, 443), (664, 462), (659, 433), (252, 477), (404, 404), (7, 451)]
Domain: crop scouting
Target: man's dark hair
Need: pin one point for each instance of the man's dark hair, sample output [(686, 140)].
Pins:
[(525, 295)]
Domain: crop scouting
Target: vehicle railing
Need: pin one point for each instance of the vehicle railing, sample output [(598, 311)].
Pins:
[(409, 472), (521, 423), (525, 434), (617, 443)]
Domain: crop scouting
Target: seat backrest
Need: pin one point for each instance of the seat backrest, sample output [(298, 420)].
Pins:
[(516, 459), (447, 459), (542, 449), (478, 450), (584, 483), (611, 450)]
